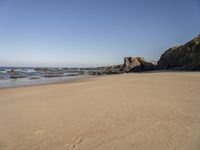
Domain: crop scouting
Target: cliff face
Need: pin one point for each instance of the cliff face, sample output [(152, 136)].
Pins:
[(186, 57)]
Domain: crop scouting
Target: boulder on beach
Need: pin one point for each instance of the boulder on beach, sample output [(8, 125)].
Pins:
[(184, 57), (137, 64)]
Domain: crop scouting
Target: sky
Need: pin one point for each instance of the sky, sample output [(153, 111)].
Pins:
[(88, 33)]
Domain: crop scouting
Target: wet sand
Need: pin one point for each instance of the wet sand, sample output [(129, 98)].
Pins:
[(142, 111)]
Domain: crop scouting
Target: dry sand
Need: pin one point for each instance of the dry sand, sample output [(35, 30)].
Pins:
[(145, 111)]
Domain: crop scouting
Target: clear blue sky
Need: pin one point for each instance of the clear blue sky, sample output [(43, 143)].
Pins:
[(92, 32)]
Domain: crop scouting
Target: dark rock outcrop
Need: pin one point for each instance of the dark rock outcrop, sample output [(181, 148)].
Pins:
[(115, 69), (136, 64), (16, 74), (184, 57)]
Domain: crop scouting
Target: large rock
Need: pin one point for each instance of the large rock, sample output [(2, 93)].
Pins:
[(131, 63), (186, 57), (137, 64)]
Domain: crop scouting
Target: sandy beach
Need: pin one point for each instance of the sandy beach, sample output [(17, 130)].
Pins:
[(136, 111)]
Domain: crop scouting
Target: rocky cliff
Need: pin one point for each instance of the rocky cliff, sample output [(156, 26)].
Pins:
[(184, 57)]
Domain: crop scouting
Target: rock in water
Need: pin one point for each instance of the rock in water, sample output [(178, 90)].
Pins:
[(185, 57), (115, 69)]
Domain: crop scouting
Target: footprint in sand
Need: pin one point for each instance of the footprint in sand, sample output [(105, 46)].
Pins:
[(36, 134), (74, 143), (76, 140)]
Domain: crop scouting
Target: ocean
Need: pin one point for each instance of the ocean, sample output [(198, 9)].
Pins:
[(24, 76)]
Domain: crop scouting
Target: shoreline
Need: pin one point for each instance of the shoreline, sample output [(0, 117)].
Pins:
[(51, 83), (90, 77)]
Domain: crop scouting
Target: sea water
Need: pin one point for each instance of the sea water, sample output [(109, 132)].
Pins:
[(17, 76)]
